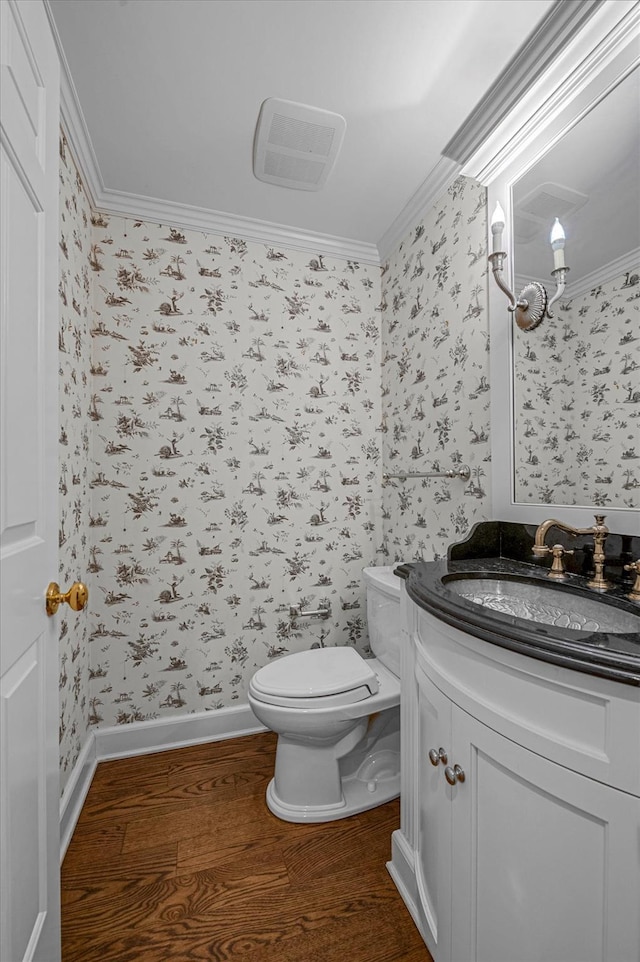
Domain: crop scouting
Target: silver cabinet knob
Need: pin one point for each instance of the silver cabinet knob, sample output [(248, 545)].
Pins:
[(437, 756), (454, 775)]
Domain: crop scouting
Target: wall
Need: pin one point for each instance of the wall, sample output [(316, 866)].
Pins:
[(75, 453), (230, 464), (578, 401), (435, 377), (236, 469)]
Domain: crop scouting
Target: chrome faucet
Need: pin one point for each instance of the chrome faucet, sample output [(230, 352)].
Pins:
[(599, 531)]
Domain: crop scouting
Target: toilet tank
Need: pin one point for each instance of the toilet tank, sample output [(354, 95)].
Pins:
[(383, 615)]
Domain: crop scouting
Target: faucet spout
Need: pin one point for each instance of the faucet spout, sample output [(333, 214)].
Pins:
[(599, 531), (539, 543)]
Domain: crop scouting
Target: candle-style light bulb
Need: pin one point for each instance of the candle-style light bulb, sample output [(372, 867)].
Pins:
[(497, 226), (557, 243)]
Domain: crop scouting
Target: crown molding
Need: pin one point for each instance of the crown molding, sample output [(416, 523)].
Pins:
[(616, 268), (624, 264), (560, 25), (431, 189), (231, 225), (606, 47)]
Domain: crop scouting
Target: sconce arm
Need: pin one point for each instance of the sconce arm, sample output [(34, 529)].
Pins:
[(531, 306), (561, 273), (497, 261)]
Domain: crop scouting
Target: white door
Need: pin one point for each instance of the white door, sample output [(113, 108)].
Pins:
[(29, 804)]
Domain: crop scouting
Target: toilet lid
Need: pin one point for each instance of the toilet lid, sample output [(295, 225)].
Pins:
[(316, 673)]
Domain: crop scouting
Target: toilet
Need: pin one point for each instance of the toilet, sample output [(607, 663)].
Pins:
[(337, 717)]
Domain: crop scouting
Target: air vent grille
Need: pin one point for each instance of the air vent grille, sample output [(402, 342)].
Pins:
[(549, 201), (301, 135), (545, 205), (285, 167), (295, 145)]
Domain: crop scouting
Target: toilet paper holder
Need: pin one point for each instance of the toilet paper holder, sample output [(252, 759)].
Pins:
[(295, 611)]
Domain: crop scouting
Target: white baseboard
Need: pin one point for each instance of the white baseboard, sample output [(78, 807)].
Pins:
[(161, 734), (75, 792), (402, 870), (142, 738)]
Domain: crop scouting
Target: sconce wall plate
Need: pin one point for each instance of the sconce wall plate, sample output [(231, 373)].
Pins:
[(531, 306)]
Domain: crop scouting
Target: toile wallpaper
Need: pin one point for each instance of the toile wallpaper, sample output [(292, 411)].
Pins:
[(224, 431), (236, 463), (578, 401), (74, 350), (435, 377)]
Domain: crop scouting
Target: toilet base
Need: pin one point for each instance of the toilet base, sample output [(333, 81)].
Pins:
[(376, 781)]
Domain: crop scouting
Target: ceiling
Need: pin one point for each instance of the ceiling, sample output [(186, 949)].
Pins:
[(170, 91)]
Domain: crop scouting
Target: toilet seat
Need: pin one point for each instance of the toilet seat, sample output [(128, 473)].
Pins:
[(319, 678)]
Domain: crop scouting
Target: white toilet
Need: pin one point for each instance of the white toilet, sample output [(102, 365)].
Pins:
[(337, 716)]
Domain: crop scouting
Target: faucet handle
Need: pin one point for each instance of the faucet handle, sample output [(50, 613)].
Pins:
[(541, 550), (634, 594), (557, 568)]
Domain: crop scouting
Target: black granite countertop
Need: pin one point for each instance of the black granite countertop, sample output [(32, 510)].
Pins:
[(504, 549)]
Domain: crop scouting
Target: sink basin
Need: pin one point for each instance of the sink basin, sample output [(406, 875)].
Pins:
[(546, 604)]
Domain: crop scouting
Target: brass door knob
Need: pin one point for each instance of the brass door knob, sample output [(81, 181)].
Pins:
[(76, 597)]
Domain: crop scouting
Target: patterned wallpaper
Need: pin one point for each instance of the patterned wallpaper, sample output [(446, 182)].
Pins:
[(435, 377), (223, 436), (236, 466), (579, 400), (75, 453)]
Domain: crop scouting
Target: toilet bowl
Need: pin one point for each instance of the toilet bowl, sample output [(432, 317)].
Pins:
[(337, 716)]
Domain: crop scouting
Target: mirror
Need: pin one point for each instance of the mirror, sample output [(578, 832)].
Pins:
[(576, 377), (565, 396)]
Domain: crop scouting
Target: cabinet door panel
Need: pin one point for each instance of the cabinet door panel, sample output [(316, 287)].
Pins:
[(433, 867), (544, 865)]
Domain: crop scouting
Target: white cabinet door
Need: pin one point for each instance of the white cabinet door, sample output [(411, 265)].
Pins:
[(433, 864), (546, 862), (29, 804)]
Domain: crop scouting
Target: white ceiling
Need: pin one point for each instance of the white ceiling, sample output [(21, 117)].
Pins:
[(170, 91)]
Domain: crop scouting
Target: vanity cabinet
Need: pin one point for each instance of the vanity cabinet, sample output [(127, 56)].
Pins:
[(525, 857)]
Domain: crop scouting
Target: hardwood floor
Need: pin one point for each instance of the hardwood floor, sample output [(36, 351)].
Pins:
[(177, 858)]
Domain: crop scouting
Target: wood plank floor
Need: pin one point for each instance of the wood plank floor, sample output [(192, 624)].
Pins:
[(177, 858)]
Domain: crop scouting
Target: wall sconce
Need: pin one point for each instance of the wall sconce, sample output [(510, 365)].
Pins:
[(532, 305)]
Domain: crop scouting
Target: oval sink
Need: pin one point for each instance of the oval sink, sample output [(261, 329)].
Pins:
[(545, 604)]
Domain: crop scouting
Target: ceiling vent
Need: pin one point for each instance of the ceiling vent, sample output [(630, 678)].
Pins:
[(548, 201), (296, 145)]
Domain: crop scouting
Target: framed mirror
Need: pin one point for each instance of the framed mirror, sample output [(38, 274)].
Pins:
[(566, 394), (576, 378)]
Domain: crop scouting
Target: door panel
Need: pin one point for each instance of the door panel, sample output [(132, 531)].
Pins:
[(29, 805), (541, 843), (21, 695), (433, 865)]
